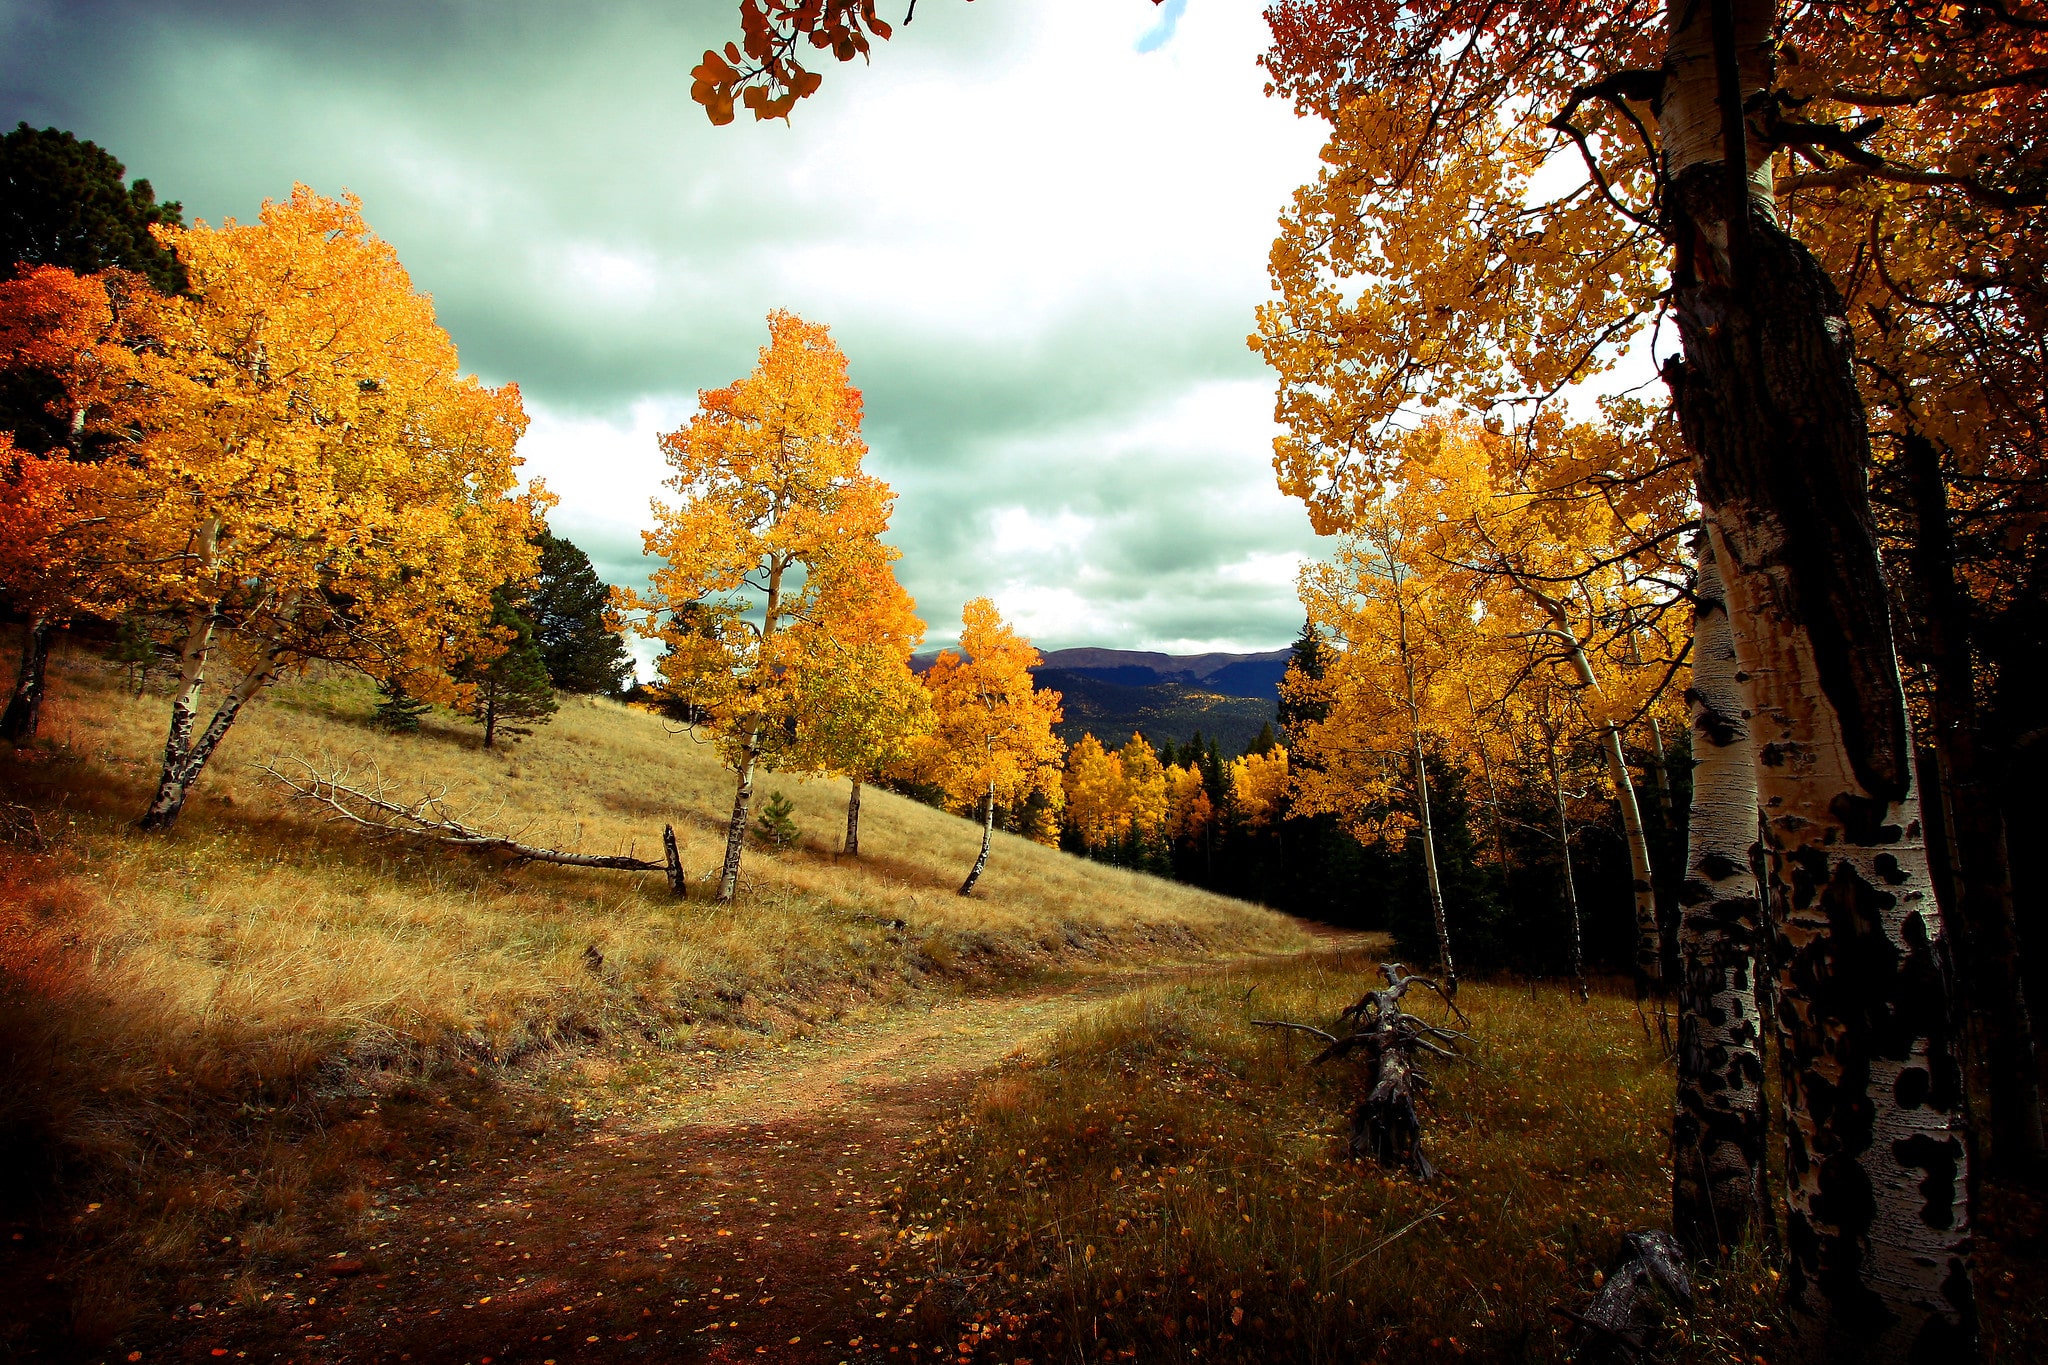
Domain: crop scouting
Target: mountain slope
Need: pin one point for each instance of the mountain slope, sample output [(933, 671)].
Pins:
[(1165, 712)]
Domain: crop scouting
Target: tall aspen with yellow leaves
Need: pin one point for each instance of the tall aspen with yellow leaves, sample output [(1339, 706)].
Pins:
[(1401, 637), (860, 710), (320, 481), (774, 524), (992, 742)]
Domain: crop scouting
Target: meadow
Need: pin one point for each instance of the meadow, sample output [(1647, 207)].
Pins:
[(1169, 1184), (195, 1003)]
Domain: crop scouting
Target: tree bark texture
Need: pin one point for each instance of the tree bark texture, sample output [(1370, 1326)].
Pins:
[(1983, 917), (853, 820), (988, 829), (24, 715), (490, 713), (736, 830), (1719, 1128), (1877, 1219)]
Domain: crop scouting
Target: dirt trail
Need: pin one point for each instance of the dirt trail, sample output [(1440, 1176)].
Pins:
[(718, 1211)]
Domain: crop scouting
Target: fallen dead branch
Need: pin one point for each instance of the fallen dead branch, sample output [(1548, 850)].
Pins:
[(1385, 1125), (1617, 1326), (371, 808)]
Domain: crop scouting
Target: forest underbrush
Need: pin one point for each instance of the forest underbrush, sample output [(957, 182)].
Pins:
[(194, 1026), (1171, 1184)]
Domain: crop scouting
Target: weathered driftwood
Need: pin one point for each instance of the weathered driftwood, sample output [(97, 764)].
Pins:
[(371, 809), (1618, 1325), (1391, 1041)]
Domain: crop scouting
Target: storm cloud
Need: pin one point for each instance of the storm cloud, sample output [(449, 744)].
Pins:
[(1037, 228)]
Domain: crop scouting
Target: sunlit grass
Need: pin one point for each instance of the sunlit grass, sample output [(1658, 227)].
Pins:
[(206, 990)]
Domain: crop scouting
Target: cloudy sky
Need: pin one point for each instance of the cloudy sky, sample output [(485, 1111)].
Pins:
[(1038, 229)]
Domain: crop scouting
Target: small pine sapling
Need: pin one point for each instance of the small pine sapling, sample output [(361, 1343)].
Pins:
[(773, 826)]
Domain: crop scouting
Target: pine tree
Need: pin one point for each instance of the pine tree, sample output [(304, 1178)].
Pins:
[(566, 607), (773, 826), (512, 686), (399, 711)]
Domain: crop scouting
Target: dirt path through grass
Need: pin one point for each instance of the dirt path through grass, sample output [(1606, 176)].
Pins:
[(715, 1210)]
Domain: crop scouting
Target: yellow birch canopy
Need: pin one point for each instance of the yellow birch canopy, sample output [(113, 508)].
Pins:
[(774, 564), (994, 730), (317, 475)]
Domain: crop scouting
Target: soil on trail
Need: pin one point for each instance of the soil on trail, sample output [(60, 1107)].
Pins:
[(696, 1209)]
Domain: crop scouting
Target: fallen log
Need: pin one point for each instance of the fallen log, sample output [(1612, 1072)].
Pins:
[(1618, 1325), (371, 809), (1385, 1125)]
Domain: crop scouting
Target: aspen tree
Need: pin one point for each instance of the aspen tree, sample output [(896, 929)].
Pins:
[(1397, 638), (774, 517), (1094, 786), (992, 740), (1719, 1197), (861, 710), (318, 481), (1659, 106)]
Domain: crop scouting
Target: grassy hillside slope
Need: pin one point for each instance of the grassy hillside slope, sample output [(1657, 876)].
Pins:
[(159, 994)]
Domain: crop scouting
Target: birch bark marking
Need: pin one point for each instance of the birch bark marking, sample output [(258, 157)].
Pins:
[(192, 653), (1877, 1221), (736, 828), (988, 829), (853, 820), (1718, 1129)]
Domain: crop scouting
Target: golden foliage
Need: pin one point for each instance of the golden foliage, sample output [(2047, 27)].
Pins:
[(993, 735)]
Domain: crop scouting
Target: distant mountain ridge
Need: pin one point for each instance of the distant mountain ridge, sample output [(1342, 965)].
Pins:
[(1228, 675), (1113, 692)]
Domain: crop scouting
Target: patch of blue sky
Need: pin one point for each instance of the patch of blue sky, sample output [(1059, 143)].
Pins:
[(1161, 33)]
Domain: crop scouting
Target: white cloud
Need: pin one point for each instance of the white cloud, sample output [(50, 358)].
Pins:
[(1039, 245)]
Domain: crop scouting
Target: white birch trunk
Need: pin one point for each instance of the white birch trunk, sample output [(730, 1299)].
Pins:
[(1877, 1235), (1719, 1126)]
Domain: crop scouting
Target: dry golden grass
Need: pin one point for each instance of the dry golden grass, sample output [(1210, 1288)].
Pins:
[(1171, 1185), (206, 990)]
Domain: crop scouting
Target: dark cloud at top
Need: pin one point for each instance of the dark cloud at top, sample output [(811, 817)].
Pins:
[(1022, 253)]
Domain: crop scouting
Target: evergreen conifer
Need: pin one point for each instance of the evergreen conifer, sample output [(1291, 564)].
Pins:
[(514, 686), (566, 608), (399, 711)]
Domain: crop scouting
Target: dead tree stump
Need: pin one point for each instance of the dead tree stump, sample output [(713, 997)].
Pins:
[(1385, 1126)]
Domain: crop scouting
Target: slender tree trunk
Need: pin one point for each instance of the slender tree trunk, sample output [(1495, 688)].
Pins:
[(1877, 1170), (1564, 848), (490, 713), (988, 829), (1500, 843), (1436, 894), (1719, 1128), (1988, 932), (1649, 963), (185, 757), (174, 782), (736, 829), (24, 713), (853, 820)]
